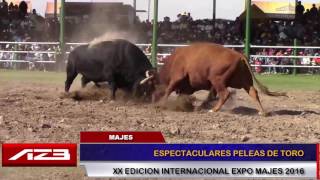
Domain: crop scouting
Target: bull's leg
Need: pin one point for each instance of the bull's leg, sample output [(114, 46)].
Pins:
[(223, 94), (211, 96), (84, 81), (114, 88), (70, 77), (109, 77), (135, 90), (254, 94), (170, 88)]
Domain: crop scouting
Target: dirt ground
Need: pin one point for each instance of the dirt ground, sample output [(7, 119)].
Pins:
[(40, 113)]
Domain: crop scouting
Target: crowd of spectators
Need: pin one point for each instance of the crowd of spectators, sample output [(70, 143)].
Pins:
[(305, 27), (273, 32), (28, 55), (312, 58), (185, 30), (16, 24)]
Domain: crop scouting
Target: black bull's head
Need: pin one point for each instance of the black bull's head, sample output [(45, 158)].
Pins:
[(151, 86), (146, 86)]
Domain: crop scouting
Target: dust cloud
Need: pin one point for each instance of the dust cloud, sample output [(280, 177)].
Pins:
[(107, 36), (102, 25)]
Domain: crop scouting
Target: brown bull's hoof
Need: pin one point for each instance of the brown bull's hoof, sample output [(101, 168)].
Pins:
[(198, 108), (214, 110), (264, 114), (160, 105)]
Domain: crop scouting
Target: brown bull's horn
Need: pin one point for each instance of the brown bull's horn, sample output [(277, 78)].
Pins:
[(146, 80)]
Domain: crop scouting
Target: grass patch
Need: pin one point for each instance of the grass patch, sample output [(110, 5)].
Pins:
[(291, 82), (32, 76), (274, 82)]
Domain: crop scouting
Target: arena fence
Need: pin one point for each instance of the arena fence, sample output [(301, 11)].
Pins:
[(13, 51)]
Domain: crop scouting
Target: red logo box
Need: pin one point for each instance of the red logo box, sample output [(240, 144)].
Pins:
[(39, 154), (318, 161)]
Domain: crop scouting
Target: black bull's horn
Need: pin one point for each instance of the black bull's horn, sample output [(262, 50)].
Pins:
[(148, 77)]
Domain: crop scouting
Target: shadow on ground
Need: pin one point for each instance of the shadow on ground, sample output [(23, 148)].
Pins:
[(294, 113), (251, 111)]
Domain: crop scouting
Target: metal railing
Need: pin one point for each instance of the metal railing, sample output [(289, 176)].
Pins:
[(14, 60)]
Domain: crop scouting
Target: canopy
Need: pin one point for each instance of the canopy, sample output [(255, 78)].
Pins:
[(256, 13)]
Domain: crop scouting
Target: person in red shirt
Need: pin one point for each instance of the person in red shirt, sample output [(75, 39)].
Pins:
[(317, 60), (258, 69)]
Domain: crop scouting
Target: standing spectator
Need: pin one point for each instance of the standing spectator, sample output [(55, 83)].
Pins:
[(285, 61), (3, 9), (305, 60), (277, 61), (1, 58), (314, 12), (264, 60), (269, 61), (315, 62), (258, 68), (299, 11), (317, 59), (23, 9), (8, 56)]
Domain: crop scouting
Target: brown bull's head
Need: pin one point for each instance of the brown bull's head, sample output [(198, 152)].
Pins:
[(155, 82)]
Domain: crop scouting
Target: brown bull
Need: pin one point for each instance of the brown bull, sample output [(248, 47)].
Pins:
[(206, 66)]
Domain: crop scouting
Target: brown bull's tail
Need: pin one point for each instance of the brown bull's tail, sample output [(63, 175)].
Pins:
[(262, 87)]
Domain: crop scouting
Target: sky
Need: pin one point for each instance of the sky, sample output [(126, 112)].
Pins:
[(199, 9)]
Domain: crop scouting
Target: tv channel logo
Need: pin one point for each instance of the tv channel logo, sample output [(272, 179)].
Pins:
[(39, 154)]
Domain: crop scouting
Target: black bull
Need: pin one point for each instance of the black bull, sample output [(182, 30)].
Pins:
[(119, 62)]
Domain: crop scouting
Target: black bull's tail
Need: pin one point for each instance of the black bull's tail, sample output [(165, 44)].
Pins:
[(262, 87)]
